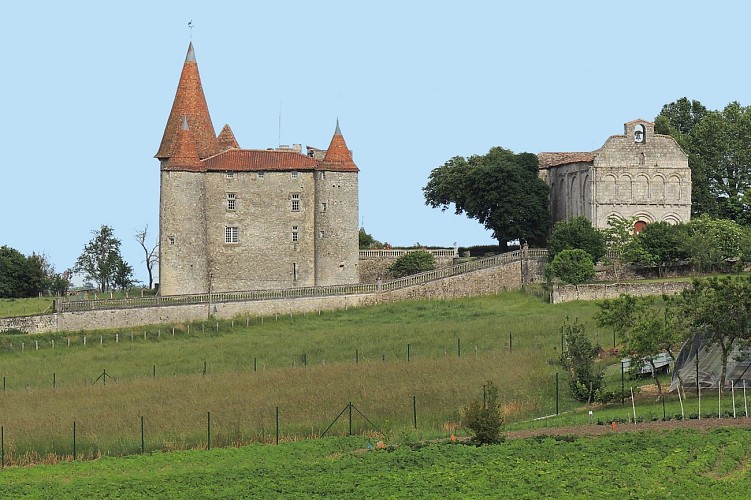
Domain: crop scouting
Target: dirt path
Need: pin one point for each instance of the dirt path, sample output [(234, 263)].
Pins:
[(597, 430)]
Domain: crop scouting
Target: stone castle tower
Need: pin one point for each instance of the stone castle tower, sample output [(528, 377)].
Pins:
[(233, 219)]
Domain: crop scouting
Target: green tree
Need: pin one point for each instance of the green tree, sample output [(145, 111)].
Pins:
[(721, 143), (644, 329), (719, 155), (101, 258), (483, 419), (122, 275), (500, 189), (578, 359), (574, 233), (721, 308), (14, 270), (572, 266), (412, 263), (678, 119), (367, 241), (712, 243), (619, 239), (660, 244)]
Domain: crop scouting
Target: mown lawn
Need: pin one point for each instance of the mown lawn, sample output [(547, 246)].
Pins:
[(681, 464)]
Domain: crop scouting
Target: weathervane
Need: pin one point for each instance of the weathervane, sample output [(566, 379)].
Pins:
[(190, 26)]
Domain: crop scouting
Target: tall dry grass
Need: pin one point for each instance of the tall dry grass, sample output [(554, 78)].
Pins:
[(37, 419)]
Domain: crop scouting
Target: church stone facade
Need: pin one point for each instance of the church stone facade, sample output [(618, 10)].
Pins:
[(639, 174), (235, 219)]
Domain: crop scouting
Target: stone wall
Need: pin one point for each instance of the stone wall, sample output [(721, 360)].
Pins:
[(377, 265), (482, 282), (570, 293)]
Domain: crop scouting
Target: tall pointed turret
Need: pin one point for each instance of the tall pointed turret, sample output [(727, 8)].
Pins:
[(338, 156), (190, 104)]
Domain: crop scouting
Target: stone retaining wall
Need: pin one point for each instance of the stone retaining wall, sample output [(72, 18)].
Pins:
[(570, 293), (481, 282)]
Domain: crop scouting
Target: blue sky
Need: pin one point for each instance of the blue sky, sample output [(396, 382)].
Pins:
[(87, 88)]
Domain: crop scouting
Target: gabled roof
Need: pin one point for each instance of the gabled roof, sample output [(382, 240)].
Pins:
[(190, 103), (338, 156), (547, 160), (227, 139)]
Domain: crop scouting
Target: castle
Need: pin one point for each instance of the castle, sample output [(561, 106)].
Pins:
[(640, 175), (241, 219)]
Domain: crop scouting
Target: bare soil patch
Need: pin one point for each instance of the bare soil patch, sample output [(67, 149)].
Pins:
[(597, 430)]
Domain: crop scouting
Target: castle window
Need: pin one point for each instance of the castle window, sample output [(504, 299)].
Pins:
[(295, 202), (259, 175), (293, 175), (295, 236), (230, 175), (321, 234), (294, 271), (324, 206), (321, 174), (171, 240), (231, 201), (231, 234)]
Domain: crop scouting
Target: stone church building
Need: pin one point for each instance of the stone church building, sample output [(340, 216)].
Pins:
[(639, 174), (235, 219)]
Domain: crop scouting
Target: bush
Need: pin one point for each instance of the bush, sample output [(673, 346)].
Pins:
[(412, 263), (483, 419), (572, 266), (578, 359), (577, 233)]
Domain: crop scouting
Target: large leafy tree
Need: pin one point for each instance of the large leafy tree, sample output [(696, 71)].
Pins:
[(721, 308), (22, 276), (645, 329), (660, 244), (722, 141), (101, 261), (678, 119), (719, 150), (500, 189), (712, 243)]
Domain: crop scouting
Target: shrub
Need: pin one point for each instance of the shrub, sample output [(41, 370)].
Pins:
[(412, 263), (576, 233), (572, 266), (483, 419), (578, 359)]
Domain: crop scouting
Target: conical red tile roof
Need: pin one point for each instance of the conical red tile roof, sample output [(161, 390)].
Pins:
[(190, 102), (227, 139), (184, 153), (338, 156)]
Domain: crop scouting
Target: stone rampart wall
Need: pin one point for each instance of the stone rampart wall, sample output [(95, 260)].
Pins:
[(372, 268), (570, 293), (482, 282)]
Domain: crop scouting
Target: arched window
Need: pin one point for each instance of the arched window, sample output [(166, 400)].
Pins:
[(639, 226), (640, 134)]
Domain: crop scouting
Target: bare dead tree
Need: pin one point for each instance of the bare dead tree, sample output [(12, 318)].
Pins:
[(152, 255)]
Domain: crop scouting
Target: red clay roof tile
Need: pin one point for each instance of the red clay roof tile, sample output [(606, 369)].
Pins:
[(190, 102)]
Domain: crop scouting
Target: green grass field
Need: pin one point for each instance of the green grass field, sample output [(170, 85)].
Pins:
[(397, 363), (359, 355), (681, 464)]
